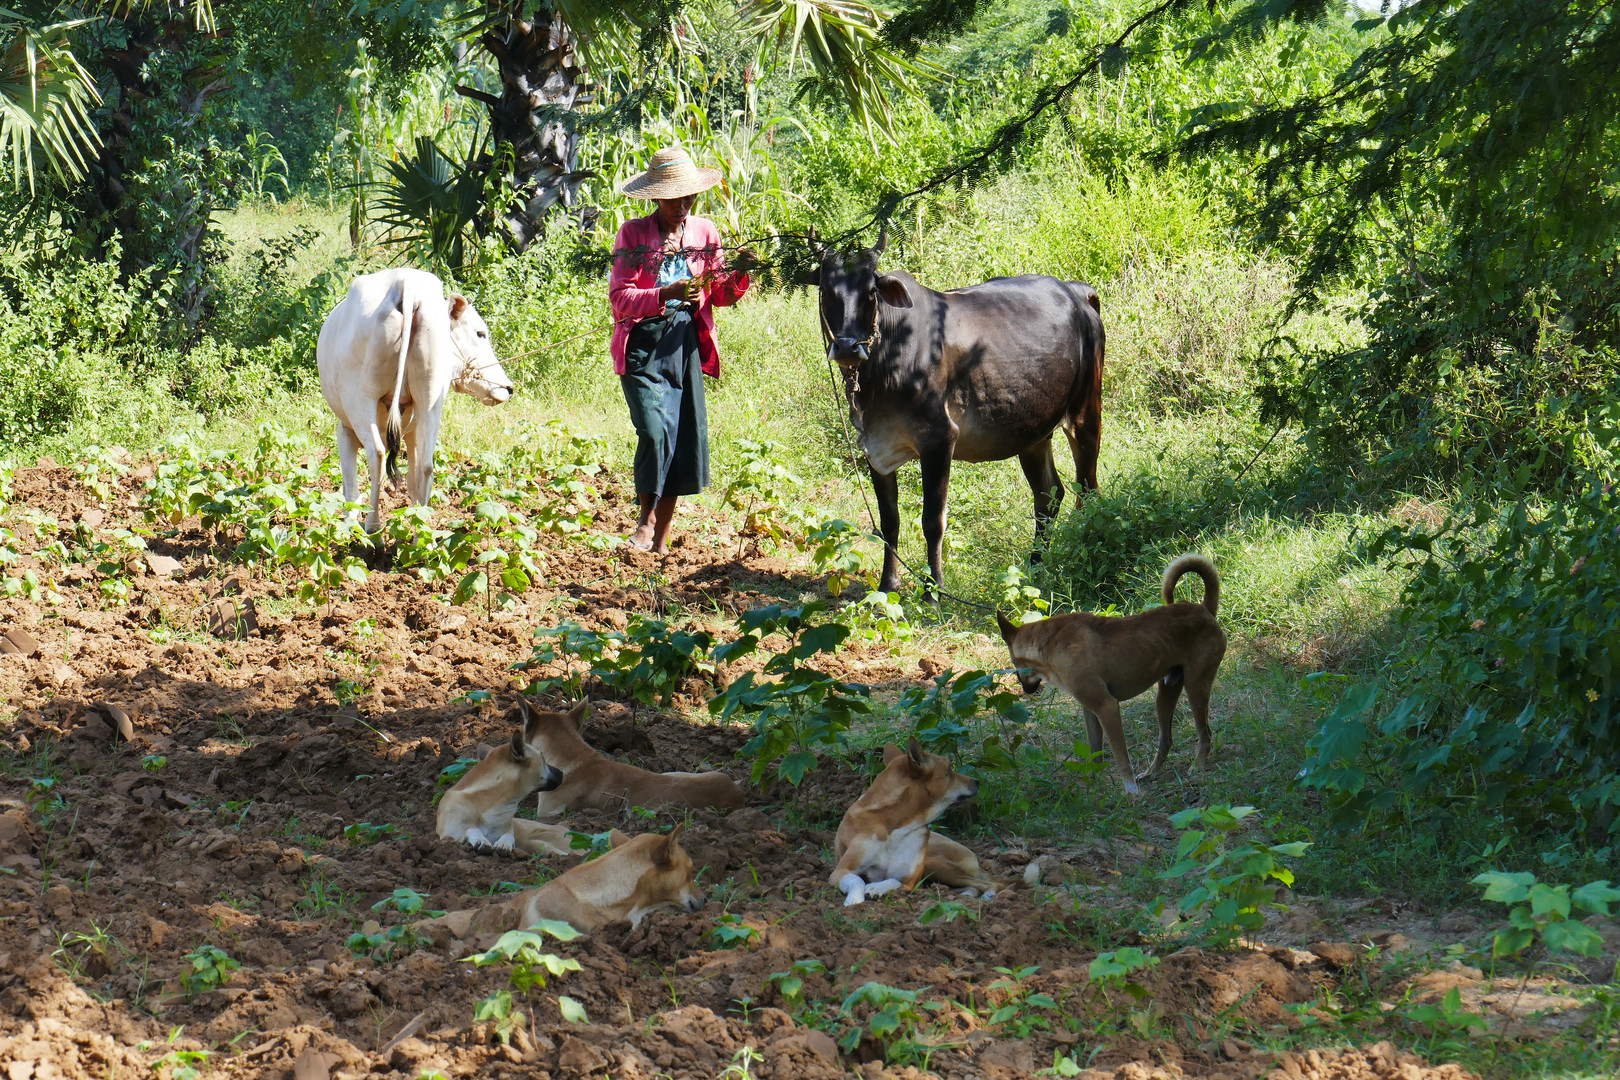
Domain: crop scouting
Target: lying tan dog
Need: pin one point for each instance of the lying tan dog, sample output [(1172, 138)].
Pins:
[(1102, 661), (480, 808), (637, 876), (884, 842), (594, 781)]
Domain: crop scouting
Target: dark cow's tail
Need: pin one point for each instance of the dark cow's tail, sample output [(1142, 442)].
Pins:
[(1087, 419), (1194, 564), (393, 432)]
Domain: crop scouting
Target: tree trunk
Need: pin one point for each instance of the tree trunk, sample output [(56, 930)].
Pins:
[(152, 184), (533, 121)]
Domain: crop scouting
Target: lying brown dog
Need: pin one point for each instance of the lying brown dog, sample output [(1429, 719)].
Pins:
[(884, 842), (637, 876), (594, 781), (1102, 661), (480, 808)]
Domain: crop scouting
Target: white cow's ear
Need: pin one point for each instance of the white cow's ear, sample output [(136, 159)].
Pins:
[(459, 304), (892, 291)]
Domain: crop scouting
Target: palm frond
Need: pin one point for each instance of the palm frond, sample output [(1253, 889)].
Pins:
[(842, 43), (430, 202), (45, 101)]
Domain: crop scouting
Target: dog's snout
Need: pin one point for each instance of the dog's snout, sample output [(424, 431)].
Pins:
[(696, 901), (551, 779)]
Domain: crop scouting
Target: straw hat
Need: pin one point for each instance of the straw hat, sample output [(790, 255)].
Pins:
[(670, 175)]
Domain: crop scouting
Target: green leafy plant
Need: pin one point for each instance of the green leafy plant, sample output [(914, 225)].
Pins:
[(1015, 1013), (210, 968), (1114, 970), (1232, 880), (730, 931), (893, 1022), (761, 491), (1447, 1017), (946, 911), (1539, 910), (523, 951), (801, 711), (790, 983), (154, 762), (364, 832), (834, 551), (182, 1064)]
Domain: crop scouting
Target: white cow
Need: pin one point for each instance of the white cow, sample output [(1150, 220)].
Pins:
[(389, 354)]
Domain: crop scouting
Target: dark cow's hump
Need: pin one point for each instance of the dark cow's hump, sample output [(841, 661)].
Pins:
[(1022, 283)]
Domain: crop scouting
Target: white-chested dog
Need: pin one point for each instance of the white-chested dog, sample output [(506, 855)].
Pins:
[(884, 842), (480, 809)]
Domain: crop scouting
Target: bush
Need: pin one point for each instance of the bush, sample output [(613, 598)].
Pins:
[(1510, 700)]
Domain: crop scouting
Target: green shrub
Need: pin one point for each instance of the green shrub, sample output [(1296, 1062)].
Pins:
[(1509, 699)]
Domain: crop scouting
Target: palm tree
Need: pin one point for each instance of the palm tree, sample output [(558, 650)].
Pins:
[(543, 50), (45, 101)]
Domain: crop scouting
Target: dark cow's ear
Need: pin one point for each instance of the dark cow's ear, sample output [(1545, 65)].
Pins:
[(458, 306), (520, 749), (892, 291)]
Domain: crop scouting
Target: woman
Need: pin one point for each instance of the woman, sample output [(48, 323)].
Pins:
[(668, 277)]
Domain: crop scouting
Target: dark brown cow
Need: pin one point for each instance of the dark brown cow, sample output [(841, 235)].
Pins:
[(975, 374)]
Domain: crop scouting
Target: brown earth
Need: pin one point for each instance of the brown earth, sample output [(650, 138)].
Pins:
[(221, 822)]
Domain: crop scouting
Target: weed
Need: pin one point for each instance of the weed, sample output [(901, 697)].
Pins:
[(211, 968), (182, 1064), (730, 931), (364, 832), (1233, 881), (529, 966), (803, 709), (790, 983), (946, 911), (1014, 1014)]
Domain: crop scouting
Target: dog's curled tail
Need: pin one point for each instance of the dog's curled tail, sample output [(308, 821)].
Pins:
[(1194, 564)]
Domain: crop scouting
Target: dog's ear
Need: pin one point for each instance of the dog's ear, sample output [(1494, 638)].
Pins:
[(578, 713), (664, 854), (890, 752), (528, 717), (914, 751), (1009, 629), (617, 839), (484, 750), (520, 749)]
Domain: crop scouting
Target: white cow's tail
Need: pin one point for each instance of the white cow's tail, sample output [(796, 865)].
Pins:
[(393, 433)]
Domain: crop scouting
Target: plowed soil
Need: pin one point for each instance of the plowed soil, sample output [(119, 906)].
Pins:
[(222, 822)]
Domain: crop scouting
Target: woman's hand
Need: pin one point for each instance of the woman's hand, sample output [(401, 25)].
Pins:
[(676, 290)]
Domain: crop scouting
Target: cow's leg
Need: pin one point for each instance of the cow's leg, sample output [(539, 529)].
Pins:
[(372, 440), (349, 459), (936, 480), (1041, 472), (886, 486), (424, 439)]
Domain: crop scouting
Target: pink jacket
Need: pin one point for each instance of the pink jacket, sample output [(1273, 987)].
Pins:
[(633, 284)]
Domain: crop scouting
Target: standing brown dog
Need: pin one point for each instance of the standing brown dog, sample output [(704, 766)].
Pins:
[(1102, 661)]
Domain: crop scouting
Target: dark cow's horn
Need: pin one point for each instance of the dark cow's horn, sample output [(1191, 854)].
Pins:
[(883, 239), (816, 247)]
